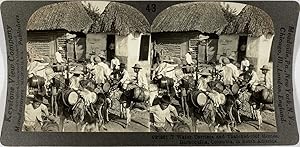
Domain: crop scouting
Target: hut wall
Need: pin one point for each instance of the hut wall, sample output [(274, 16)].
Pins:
[(95, 42), (259, 50), (122, 48), (227, 44), (41, 44), (133, 50), (173, 44)]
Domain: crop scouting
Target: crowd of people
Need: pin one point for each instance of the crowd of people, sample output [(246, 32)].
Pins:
[(176, 81), (87, 79), (231, 78)]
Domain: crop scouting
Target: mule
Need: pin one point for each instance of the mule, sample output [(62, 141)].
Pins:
[(131, 98), (258, 98)]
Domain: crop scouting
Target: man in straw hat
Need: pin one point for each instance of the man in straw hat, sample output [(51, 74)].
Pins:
[(101, 71), (76, 78), (161, 113), (253, 82), (203, 81), (115, 63), (245, 64), (140, 77), (188, 57), (267, 77), (227, 72), (124, 77), (235, 70), (58, 55), (106, 69), (33, 113)]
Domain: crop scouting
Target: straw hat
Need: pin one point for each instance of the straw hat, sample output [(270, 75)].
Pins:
[(60, 49), (38, 58), (231, 57), (168, 60), (78, 70), (265, 67), (97, 59), (165, 99), (205, 73), (102, 56), (225, 60), (137, 66)]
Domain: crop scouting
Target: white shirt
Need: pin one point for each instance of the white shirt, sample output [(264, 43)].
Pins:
[(254, 79), (58, 57), (106, 69), (142, 80), (34, 115), (115, 63), (188, 58), (125, 76), (234, 70), (245, 64), (160, 116)]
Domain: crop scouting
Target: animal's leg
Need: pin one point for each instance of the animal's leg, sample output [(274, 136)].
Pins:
[(194, 123), (83, 127), (106, 115), (183, 105), (239, 116), (259, 117), (231, 115), (121, 110), (187, 108), (128, 117), (61, 123)]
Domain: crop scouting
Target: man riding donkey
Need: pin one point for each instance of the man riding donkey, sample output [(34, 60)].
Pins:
[(101, 77), (231, 82), (165, 76), (136, 93), (261, 91), (206, 100)]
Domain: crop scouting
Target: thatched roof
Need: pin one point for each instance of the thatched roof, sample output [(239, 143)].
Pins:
[(252, 21), (193, 16), (70, 16), (121, 19)]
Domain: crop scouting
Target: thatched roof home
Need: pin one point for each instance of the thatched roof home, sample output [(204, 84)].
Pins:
[(121, 19), (47, 28), (70, 16), (251, 35), (251, 21), (177, 28), (123, 31)]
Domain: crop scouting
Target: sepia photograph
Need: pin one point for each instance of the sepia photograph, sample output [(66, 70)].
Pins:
[(100, 66)]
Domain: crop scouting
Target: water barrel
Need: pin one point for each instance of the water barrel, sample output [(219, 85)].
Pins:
[(199, 98), (70, 97)]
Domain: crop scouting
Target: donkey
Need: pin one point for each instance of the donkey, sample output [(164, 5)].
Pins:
[(137, 97)]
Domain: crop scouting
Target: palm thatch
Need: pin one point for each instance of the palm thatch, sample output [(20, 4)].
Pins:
[(193, 16), (121, 19), (252, 21), (70, 16)]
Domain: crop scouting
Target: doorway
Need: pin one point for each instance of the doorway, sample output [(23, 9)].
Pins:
[(110, 47), (242, 47)]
